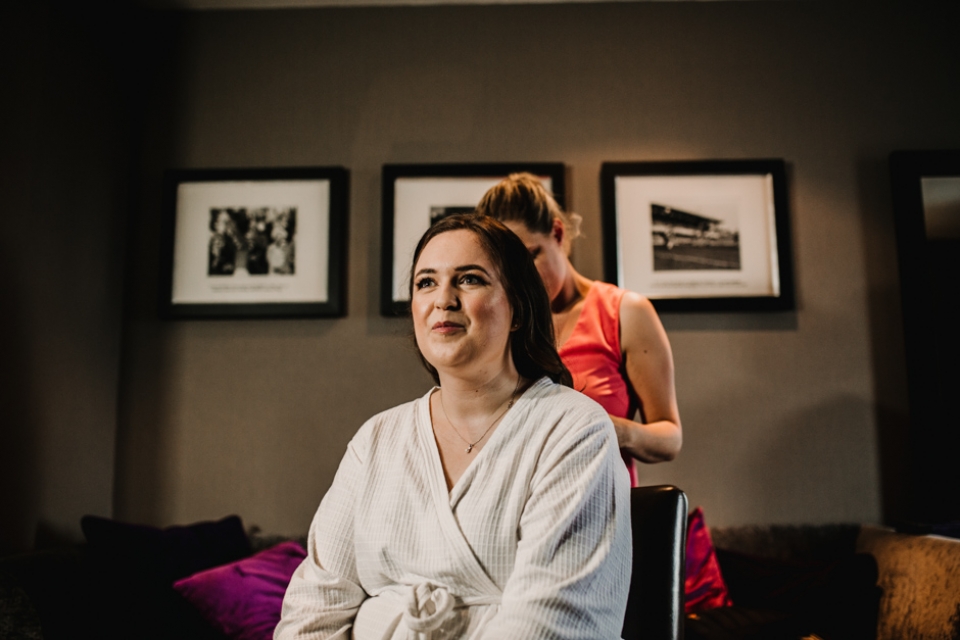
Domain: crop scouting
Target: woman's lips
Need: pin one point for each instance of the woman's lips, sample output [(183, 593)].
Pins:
[(447, 327)]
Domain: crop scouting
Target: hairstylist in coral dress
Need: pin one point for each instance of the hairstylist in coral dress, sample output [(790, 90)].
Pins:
[(610, 339)]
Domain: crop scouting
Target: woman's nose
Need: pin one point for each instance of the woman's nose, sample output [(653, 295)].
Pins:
[(447, 297)]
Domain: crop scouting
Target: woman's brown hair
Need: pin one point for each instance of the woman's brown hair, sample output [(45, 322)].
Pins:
[(532, 342)]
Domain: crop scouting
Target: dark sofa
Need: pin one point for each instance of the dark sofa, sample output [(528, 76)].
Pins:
[(832, 582), (67, 593), (119, 583)]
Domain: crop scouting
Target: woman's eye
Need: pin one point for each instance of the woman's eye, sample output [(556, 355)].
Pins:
[(472, 279), (422, 283), (534, 253)]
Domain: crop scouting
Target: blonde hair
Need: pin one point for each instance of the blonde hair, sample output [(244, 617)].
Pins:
[(521, 197)]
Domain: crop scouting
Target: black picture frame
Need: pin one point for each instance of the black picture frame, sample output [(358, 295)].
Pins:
[(254, 243), (414, 194), (710, 235)]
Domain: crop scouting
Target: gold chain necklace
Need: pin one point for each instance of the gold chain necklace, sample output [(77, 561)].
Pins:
[(471, 445)]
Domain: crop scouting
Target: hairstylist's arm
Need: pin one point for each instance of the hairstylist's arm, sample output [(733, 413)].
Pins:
[(649, 367)]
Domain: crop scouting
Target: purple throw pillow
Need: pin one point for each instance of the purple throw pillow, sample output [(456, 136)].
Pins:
[(242, 599)]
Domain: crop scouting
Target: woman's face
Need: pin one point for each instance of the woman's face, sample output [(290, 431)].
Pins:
[(547, 252), (461, 313)]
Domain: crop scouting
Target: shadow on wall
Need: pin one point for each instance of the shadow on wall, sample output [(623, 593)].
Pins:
[(143, 397), (886, 335), (139, 481), (779, 321)]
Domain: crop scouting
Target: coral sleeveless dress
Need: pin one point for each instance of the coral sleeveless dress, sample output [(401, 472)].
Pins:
[(593, 356)]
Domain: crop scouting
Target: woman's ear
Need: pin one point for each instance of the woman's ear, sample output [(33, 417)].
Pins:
[(558, 232)]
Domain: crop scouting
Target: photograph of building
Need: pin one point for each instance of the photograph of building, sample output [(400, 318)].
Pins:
[(687, 241)]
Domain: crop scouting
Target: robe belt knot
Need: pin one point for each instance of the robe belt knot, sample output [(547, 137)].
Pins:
[(428, 606)]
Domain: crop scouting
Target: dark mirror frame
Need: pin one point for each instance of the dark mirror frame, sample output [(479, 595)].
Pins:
[(929, 288)]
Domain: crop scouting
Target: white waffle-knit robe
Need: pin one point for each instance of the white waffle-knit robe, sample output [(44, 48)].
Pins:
[(532, 542)]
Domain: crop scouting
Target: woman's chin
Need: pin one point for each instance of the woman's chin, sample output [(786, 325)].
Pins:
[(449, 364)]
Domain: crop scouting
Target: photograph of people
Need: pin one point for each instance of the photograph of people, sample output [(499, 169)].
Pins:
[(610, 339), (496, 506)]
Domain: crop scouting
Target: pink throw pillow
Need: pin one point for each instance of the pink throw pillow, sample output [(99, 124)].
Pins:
[(242, 599), (704, 585)]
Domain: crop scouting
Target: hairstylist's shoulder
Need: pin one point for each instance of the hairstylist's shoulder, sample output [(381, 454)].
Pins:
[(640, 326), (636, 307)]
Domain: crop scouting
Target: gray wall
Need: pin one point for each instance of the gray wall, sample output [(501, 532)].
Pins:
[(793, 417), (790, 417)]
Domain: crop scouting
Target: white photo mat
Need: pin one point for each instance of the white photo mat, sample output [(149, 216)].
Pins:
[(192, 284), (745, 203)]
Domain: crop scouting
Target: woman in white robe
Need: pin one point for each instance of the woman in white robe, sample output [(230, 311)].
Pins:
[(496, 506)]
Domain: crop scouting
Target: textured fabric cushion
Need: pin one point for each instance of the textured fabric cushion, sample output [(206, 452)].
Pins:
[(242, 599), (57, 592), (18, 618), (920, 578), (704, 585)]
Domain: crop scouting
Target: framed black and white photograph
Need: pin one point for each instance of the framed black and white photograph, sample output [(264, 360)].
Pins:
[(699, 235), (254, 243), (417, 195)]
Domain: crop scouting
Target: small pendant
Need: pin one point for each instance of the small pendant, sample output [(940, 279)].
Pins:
[(469, 448)]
